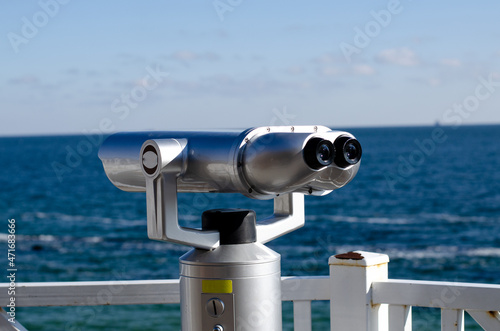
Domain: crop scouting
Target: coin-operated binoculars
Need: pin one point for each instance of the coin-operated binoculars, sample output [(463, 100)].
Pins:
[(230, 280)]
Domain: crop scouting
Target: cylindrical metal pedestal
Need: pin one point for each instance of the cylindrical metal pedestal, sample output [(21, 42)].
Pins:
[(233, 287)]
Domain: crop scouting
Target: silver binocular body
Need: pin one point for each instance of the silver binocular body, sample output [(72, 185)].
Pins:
[(261, 163)]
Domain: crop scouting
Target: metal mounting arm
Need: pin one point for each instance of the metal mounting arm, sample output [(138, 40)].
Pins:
[(163, 161), (288, 216)]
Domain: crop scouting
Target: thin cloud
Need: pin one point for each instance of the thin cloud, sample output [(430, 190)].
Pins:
[(230, 85), (72, 71), (398, 56), (25, 80), (295, 70), (364, 69), (434, 81), (130, 59), (197, 35), (327, 59), (300, 28), (33, 83), (328, 65), (451, 62), (329, 71), (185, 56)]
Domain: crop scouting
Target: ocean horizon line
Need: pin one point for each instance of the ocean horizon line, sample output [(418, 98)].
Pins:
[(361, 127)]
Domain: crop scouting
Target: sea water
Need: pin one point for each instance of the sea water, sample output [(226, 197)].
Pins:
[(429, 197)]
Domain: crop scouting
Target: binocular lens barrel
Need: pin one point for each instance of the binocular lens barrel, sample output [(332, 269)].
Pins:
[(343, 152), (349, 151)]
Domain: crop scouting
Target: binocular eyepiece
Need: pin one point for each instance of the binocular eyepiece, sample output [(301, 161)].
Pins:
[(343, 152)]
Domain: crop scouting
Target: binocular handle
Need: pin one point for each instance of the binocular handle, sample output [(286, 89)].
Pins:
[(162, 162)]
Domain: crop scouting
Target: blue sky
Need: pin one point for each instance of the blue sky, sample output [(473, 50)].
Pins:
[(73, 66)]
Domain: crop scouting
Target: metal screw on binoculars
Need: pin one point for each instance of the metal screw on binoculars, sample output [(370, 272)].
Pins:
[(229, 279)]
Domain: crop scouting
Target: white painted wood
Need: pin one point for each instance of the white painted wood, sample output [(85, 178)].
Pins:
[(93, 293), (400, 318), (350, 304), (138, 292), (447, 295), (488, 320), (358, 290), (452, 320), (305, 288), (302, 320)]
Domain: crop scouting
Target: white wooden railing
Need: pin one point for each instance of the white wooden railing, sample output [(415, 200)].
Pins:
[(361, 297)]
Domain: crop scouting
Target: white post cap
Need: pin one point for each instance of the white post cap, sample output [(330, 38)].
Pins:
[(358, 259)]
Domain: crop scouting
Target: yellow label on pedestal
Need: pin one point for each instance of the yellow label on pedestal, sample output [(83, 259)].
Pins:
[(217, 286)]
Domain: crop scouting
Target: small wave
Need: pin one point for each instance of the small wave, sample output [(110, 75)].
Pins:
[(190, 218), (82, 218), (19, 237), (403, 219), (46, 237), (51, 238), (4, 237), (353, 219), (93, 240), (436, 252), (485, 251), (452, 218), (401, 252)]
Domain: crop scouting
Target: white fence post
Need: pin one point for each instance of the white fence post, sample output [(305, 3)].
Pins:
[(452, 320), (351, 277), (400, 318), (302, 315)]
